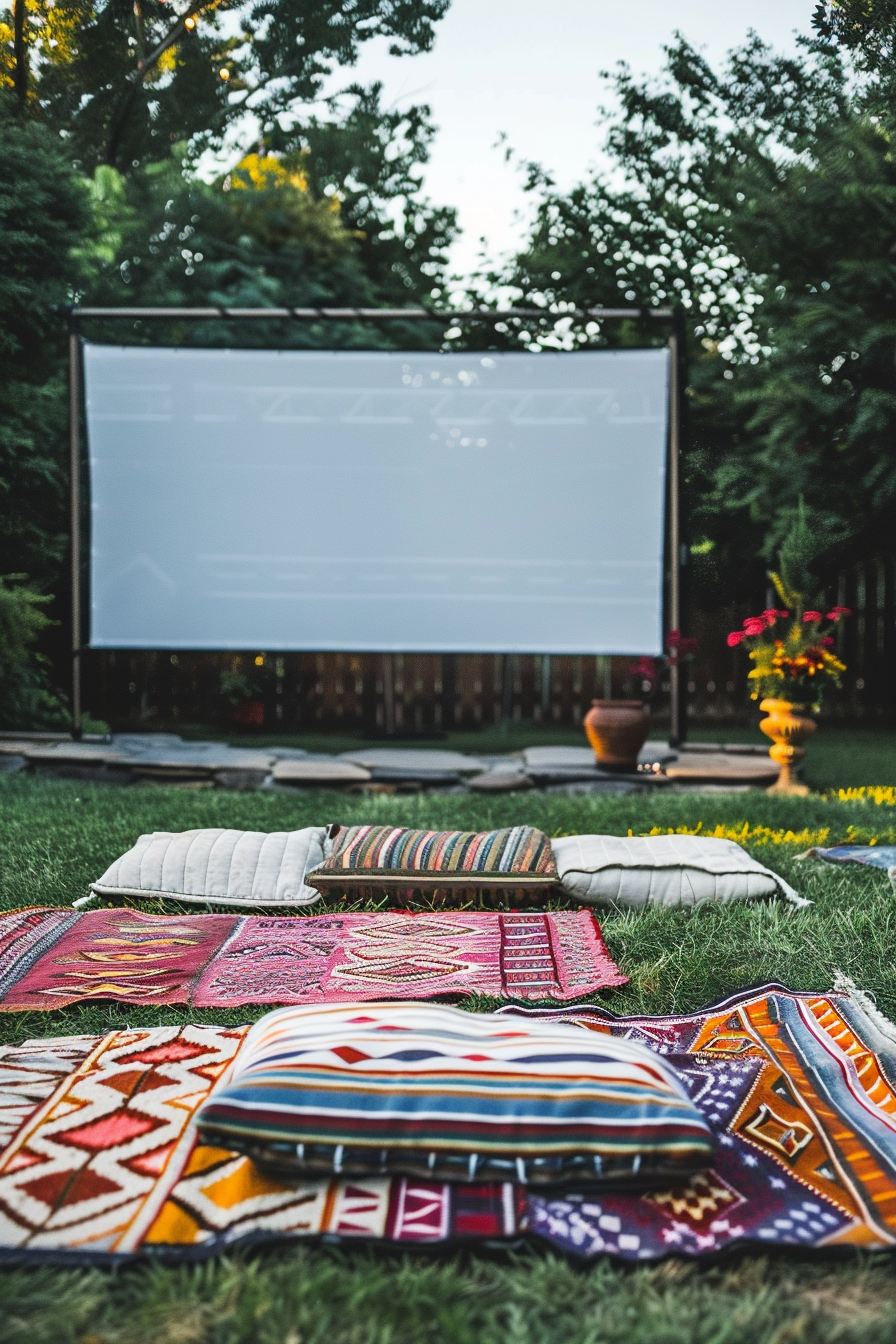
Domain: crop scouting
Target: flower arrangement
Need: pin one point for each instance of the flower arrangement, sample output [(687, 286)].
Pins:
[(679, 649), (791, 649)]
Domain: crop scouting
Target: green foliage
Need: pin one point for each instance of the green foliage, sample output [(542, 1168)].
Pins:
[(330, 216), (799, 548), (867, 29), (125, 82), (21, 619), (25, 695), (759, 196), (43, 213)]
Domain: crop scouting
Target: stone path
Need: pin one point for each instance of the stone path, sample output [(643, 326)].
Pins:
[(127, 757)]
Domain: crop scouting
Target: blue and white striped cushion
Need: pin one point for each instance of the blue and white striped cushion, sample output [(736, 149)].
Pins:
[(432, 1091)]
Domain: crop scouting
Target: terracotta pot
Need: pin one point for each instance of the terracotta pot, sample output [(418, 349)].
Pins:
[(617, 730), (248, 714), (787, 726)]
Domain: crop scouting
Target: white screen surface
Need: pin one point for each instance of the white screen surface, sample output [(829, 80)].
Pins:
[(377, 501)]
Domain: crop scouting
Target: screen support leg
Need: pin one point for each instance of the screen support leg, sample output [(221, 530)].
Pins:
[(677, 680), (74, 414)]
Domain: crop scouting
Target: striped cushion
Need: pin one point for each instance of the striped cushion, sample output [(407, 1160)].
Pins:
[(438, 1093), (365, 860)]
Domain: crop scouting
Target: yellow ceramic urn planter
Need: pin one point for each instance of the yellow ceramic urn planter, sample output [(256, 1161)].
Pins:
[(788, 726)]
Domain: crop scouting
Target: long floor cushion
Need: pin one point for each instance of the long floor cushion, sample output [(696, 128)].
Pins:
[(218, 867), (372, 861), (440, 1094), (668, 870)]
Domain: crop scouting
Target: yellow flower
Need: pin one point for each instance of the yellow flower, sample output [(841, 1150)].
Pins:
[(262, 171), (883, 795)]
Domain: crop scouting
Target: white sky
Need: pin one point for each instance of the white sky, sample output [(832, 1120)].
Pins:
[(530, 69)]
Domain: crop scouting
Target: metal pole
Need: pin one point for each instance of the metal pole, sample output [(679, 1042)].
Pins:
[(372, 314), (74, 434), (677, 716)]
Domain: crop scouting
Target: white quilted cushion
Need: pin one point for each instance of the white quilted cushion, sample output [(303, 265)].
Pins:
[(218, 867), (662, 870)]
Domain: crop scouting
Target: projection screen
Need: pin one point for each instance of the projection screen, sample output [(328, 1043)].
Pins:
[(335, 500)]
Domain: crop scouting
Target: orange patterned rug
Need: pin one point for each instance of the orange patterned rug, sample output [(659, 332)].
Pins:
[(99, 1156)]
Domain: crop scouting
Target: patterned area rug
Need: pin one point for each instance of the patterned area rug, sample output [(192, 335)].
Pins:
[(800, 1090), (52, 957), (98, 1155), (100, 1159), (873, 856)]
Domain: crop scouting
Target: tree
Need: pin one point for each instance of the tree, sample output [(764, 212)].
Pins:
[(43, 216), (330, 216), (761, 199), (867, 30), (123, 82)]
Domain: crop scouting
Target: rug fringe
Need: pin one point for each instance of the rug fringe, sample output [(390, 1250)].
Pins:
[(864, 999)]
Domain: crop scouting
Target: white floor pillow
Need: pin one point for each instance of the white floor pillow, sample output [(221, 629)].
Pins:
[(662, 870), (218, 867)]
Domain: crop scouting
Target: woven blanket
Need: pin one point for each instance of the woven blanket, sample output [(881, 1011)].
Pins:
[(873, 856), (99, 1159), (99, 1156), (51, 957), (800, 1090)]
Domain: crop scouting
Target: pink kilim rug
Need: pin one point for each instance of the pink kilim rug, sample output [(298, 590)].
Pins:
[(51, 957)]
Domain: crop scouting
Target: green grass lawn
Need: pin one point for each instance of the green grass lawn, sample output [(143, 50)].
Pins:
[(55, 836)]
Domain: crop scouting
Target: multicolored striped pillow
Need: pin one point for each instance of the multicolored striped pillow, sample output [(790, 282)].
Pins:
[(367, 860), (437, 1093)]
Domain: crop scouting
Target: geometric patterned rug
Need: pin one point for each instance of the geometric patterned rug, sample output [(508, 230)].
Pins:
[(99, 1158), (800, 1090), (50, 957)]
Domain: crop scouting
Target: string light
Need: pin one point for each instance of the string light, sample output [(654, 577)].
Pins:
[(190, 24), (224, 73)]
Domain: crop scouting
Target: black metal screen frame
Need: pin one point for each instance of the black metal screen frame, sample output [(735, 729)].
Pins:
[(674, 545)]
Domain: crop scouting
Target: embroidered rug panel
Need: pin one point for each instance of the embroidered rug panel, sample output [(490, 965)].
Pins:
[(100, 1158), (800, 1091), (50, 958)]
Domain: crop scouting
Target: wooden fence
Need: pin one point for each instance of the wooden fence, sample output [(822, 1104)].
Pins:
[(431, 694)]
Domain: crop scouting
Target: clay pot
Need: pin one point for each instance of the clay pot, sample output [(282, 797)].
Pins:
[(787, 726), (617, 730)]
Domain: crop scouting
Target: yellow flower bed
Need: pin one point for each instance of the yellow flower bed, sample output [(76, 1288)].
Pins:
[(884, 795), (746, 834)]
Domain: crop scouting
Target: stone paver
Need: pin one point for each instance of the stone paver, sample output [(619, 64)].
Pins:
[(500, 781), (718, 767), (323, 773), (410, 760)]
